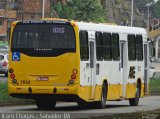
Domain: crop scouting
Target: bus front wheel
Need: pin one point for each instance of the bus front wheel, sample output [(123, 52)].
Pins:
[(45, 104)]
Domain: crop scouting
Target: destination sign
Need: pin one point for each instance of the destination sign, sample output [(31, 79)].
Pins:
[(41, 21)]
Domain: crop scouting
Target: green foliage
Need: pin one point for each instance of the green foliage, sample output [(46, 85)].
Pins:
[(142, 3), (157, 9), (5, 99), (117, 2), (154, 86), (85, 10)]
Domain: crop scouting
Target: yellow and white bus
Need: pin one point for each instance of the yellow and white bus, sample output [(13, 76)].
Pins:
[(58, 60)]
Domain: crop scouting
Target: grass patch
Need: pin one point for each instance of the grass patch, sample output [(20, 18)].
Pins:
[(154, 86), (5, 99), (4, 42)]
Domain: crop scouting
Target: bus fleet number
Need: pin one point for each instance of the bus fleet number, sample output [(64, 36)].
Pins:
[(25, 82)]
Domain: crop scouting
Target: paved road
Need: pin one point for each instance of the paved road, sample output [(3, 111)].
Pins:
[(3, 78), (147, 103)]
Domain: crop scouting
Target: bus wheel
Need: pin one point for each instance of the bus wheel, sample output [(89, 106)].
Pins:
[(102, 103), (135, 101), (81, 103), (45, 104)]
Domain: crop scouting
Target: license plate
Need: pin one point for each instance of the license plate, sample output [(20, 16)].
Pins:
[(42, 78)]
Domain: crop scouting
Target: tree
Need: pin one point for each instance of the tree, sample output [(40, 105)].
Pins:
[(85, 10), (157, 9), (142, 3)]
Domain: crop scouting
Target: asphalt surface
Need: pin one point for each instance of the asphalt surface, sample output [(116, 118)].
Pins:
[(112, 107), (72, 110)]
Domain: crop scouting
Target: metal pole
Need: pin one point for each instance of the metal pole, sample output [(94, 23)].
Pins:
[(148, 18), (158, 23), (132, 14), (43, 8)]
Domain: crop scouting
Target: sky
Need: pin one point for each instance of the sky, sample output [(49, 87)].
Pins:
[(156, 0)]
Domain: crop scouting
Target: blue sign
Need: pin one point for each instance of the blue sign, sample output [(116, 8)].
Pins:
[(15, 56)]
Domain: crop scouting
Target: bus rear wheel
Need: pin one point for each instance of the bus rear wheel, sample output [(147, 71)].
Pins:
[(102, 103), (135, 101), (81, 103), (45, 104)]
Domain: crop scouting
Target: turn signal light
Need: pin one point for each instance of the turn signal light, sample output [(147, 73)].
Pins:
[(74, 71), (12, 76), (73, 76), (13, 24), (11, 70)]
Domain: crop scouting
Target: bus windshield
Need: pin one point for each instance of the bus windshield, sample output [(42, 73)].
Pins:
[(43, 39)]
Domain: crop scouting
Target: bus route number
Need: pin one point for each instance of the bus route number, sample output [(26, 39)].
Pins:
[(58, 30), (25, 82)]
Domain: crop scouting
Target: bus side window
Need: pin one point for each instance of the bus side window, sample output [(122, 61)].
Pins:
[(84, 50), (99, 47), (115, 46), (107, 46), (131, 47), (139, 48)]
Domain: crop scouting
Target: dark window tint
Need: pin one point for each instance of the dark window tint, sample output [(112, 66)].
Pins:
[(43, 36), (84, 51), (49, 39), (107, 46), (115, 47), (99, 47), (139, 47), (131, 47)]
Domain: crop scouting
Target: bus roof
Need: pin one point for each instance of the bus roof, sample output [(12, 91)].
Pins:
[(110, 28), (96, 26)]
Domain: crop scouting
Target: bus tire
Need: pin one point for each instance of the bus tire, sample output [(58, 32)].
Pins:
[(81, 103), (45, 104), (135, 101), (102, 103)]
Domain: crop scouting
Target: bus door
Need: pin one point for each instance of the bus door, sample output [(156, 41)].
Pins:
[(123, 65), (92, 64), (146, 69)]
